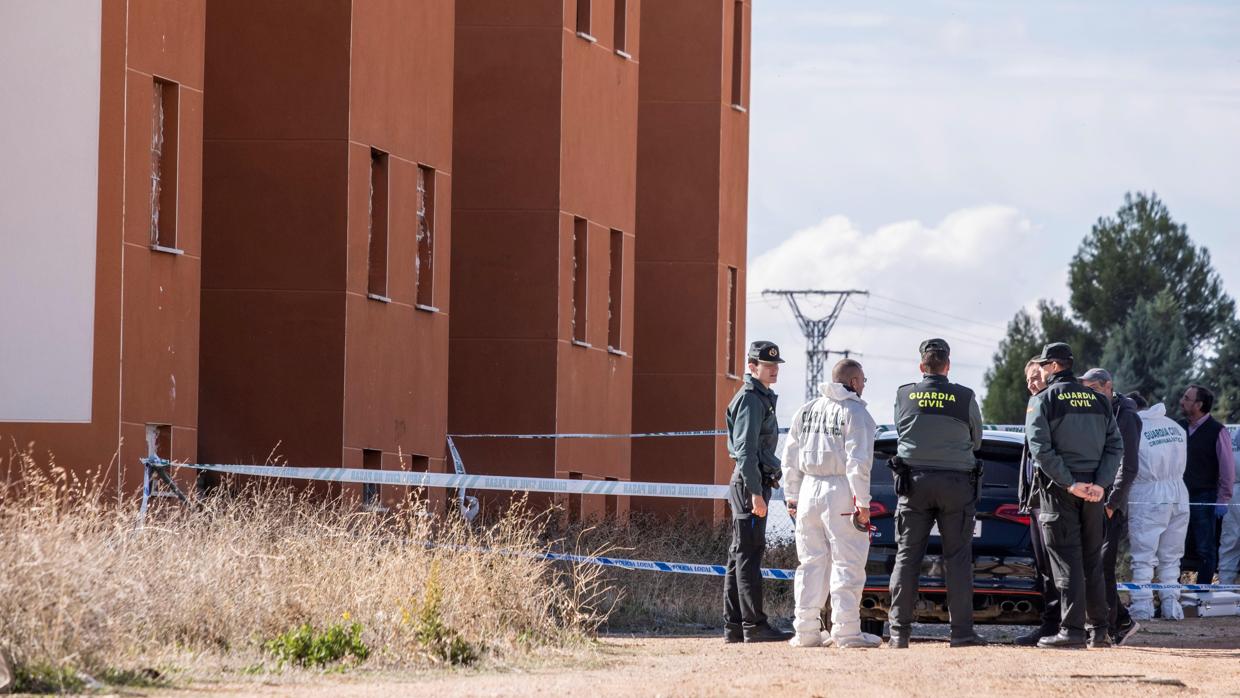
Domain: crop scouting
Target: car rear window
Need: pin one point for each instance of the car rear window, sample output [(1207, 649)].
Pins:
[(1000, 462)]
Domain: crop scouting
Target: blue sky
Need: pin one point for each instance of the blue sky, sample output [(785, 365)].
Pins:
[(952, 155)]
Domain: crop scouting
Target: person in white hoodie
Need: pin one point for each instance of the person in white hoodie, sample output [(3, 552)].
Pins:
[(826, 475), (1159, 513)]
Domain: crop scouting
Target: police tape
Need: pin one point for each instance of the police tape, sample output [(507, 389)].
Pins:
[(623, 488), (557, 486), (787, 575)]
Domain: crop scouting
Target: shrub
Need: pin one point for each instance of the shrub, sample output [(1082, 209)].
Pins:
[(307, 647)]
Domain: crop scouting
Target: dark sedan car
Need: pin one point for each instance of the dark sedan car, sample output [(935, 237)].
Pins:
[(1003, 574)]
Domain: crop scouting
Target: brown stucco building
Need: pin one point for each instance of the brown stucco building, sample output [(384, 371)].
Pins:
[(572, 173), (327, 223), (545, 140), (112, 316), (692, 192)]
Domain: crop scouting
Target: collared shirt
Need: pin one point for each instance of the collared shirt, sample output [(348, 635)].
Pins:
[(1226, 459)]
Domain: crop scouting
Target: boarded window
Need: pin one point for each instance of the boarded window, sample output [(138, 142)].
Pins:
[(424, 264), (622, 26), (732, 368), (583, 16), (378, 224), (164, 136), (372, 459), (615, 290), (579, 273), (738, 53)]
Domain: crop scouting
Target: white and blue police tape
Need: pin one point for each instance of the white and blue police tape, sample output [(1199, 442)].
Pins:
[(505, 483)]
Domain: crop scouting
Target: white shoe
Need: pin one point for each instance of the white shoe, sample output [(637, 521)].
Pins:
[(1141, 610), (823, 639), (1172, 610), (805, 641), (859, 641)]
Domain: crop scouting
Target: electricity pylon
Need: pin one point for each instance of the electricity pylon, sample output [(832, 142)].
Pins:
[(815, 331)]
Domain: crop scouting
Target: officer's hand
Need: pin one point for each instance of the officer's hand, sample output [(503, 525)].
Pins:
[(863, 514), (1220, 510), (1110, 512), (759, 505), (792, 508)]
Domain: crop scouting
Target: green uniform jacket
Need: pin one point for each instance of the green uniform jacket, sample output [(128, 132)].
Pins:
[(753, 434), (1072, 433), (939, 424)]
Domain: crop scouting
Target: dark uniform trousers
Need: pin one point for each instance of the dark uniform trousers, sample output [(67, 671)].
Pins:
[(946, 497), (1117, 532), (742, 581), (1074, 531), (1044, 580)]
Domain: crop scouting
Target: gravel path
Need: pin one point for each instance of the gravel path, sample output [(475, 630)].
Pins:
[(1199, 657)]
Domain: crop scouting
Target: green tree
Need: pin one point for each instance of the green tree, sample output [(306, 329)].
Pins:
[(1149, 353), (1137, 254), (1222, 374), (1006, 394)]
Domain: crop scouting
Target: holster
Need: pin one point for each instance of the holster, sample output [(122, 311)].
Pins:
[(902, 476), (975, 476)]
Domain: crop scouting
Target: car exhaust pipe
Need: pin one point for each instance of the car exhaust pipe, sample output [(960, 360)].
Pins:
[(869, 602), (1007, 606), (1023, 606)]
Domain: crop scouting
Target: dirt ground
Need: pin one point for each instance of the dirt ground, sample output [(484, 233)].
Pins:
[(1192, 657)]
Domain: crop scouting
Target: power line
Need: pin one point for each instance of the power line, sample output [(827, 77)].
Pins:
[(930, 324), (814, 329), (940, 312)]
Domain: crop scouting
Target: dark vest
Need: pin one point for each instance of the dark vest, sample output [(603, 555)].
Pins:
[(1202, 470)]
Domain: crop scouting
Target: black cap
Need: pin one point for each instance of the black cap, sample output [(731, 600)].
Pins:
[(765, 351), (934, 345), (1055, 351)]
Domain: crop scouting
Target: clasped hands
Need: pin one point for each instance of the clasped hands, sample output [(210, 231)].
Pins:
[(1087, 491)]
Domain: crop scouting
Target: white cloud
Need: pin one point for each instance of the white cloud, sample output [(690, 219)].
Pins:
[(958, 279)]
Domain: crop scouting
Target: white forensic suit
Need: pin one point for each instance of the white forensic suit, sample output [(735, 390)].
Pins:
[(1229, 543), (1158, 512), (826, 471)]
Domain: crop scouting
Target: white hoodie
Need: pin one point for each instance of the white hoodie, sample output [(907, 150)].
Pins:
[(1164, 447), (831, 435)]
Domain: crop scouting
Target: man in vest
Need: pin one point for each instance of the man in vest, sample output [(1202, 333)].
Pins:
[(1077, 448), (753, 433), (1209, 476), (827, 460), (1157, 525), (940, 426)]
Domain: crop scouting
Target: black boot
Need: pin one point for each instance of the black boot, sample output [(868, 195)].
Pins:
[(1063, 640), (732, 633), (1031, 639), (763, 632), (971, 640), (1099, 640), (899, 640)]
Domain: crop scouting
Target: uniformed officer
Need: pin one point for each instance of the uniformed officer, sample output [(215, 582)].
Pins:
[(1076, 445), (940, 426), (753, 433)]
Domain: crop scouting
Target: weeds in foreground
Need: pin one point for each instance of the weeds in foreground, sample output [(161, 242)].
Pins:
[(86, 592), (306, 646)]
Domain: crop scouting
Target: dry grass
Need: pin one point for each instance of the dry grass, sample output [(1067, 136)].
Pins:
[(86, 589), (648, 601)]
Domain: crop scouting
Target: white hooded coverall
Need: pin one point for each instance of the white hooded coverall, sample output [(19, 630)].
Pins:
[(826, 469), (1158, 512), (1229, 544)]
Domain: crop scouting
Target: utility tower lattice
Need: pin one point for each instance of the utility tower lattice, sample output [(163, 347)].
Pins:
[(815, 331)]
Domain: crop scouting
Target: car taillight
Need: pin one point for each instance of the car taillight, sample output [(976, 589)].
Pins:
[(1011, 512), (878, 509)]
